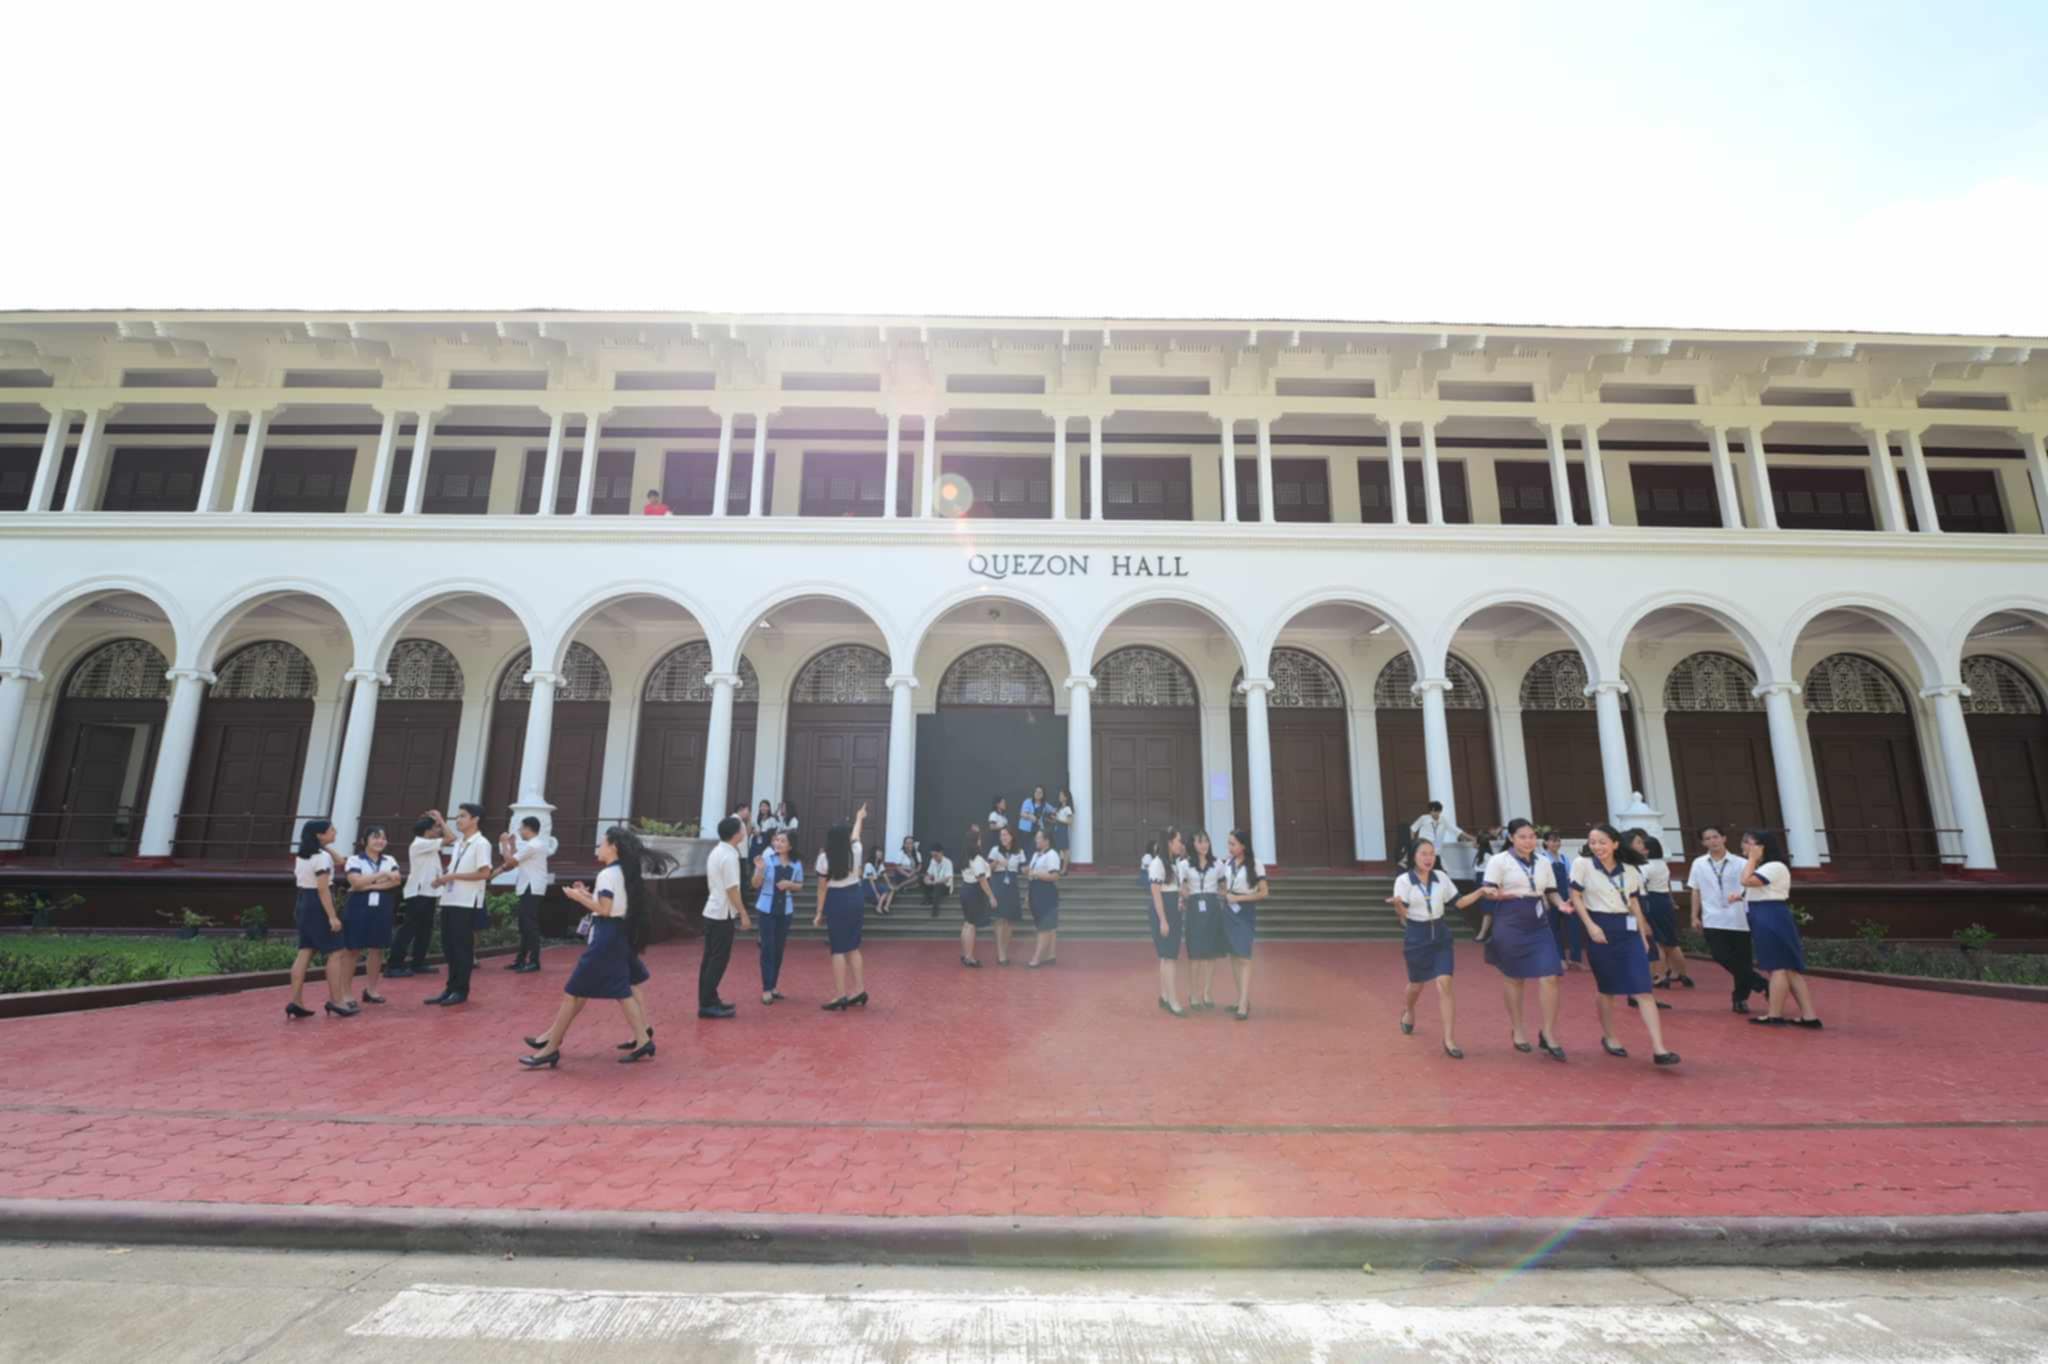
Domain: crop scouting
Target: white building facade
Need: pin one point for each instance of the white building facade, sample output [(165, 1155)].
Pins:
[(1298, 578)]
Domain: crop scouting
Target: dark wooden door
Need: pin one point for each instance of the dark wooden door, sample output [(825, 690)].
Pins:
[(79, 805), (668, 773), (1311, 786), (242, 797), (838, 758), (1148, 775), (1724, 771), (1873, 795), (1404, 775), (1567, 786), (575, 775), (2012, 770), (412, 762)]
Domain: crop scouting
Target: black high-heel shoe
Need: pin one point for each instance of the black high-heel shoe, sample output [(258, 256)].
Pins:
[(551, 1060), (1550, 1049), (1173, 1009), (1407, 1026), (859, 1001), (623, 1046), (837, 1006), (1665, 1058), (643, 1052), (1520, 1046), (1453, 1052), (372, 997), (971, 961), (292, 1011), (1243, 1015), (341, 1010), (1611, 1049), (538, 1042)]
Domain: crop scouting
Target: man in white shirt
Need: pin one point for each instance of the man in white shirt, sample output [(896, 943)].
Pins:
[(462, 895), (1433, 826), (422, 899), (938, 878), (526, 857), (1718, 911), (724, 908)]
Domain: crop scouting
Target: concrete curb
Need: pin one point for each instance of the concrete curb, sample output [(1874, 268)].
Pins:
[(1980, 989), (1251, 1243)]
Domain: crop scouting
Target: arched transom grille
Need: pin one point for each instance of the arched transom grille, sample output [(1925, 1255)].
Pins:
[(1850, 684), (844, 675), (1711, 682), (1138, 675), (680, 677), (587, 677), (1998, 688), (125, 670), (995, 675), (421, 670), (1301, 681), (1395, 689), (268, 670)]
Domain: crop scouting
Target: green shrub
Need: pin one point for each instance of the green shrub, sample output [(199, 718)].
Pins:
[(20, 973), (1974, 938), (233, 956), (2000, 968), (1871, 931)]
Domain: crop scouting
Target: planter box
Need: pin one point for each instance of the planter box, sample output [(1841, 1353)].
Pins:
[(1982, 989)]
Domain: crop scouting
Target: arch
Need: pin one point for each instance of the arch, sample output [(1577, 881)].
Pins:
[(1998, 686), (1958, 642), (1728, 615), (1394, 688), (1708, 682), (842, 675), (587, 677), (1599, 666), (1185, 596), (920, 630), (722, 650), (395, 621), (124, 669), (1410, 635), (267, 670), (1557, 682), (1301, 681), (1853, 684), (1144, 676), (593, 602), (213, 630), (1912, 632), (678, 676), (41, 625), (422, 670), (995, 675)]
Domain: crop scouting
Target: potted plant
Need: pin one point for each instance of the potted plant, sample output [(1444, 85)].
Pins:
[(188, 921), (40, 910), (256, 923)]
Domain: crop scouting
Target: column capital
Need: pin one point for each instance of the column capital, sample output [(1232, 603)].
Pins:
[(367, 675), (16, 671), (538, 677), (1592, 425), (1763, 689), (1252, 684), (1082, 681), (58, 408), (1429, 684), (1619, 688), (908, 680), (1955, 689), (195, 674), (722, 680), (1869, 432)]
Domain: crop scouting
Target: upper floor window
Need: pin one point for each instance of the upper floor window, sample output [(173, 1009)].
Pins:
[(458, 482), (689, 480), (1006, 487), (1301, 489), (305, 480), (611, 493), (1964, 500), (1822, 499), (851, 484), (153, 479), (1526, 495), (1140, 488), (1675, 495), (1375, 496)]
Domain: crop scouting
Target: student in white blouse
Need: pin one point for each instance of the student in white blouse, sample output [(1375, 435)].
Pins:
[(1156, 871), (1607, 890), (841, 901), (977, 896), (1522, 947), (937, 878), (1421, 894), (620, 919), (1775, 933), (318, 920), (1063, 825), (1721, 915), (1042, 881)]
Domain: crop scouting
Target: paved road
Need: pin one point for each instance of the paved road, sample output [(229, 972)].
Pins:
[(101, 1304)]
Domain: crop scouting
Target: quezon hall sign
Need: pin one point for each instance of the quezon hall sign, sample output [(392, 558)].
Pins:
[(1001, 566)]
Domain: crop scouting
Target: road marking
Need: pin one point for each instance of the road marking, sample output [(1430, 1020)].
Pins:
[(821, 1328)]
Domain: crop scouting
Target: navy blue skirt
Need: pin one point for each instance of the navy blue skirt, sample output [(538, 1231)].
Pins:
[(1045, 905), (1775, 937), (973, 904), (1620, 965), (1522, 946), (1206, 935), (312, 924), (1663, 920), (843, 908), (1426, 944), (1009, 900), (1240, 928), (1059, 837), (638, 973), (1166, 944), (364, 925), (605, 970)]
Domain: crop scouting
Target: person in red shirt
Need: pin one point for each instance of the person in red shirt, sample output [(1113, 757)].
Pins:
[(655, 506)]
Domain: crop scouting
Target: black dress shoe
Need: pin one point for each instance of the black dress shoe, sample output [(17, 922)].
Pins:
[(643, 1052), (297, 1011), (517, 966), (1741, 1006), (1611, 1049), (1550, 1049), (342, 1010), (441, 998), (628, 1046), (722, 1011), (836, 1006), (455, 999), (1666, 1058), (550, 1060)]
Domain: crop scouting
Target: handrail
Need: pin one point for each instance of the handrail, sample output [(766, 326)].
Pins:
[(1908, 853)]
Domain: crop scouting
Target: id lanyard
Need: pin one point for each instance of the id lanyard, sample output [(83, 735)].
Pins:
[(1618, 878), (1428, 898), (1720, 880), (1529, 873)]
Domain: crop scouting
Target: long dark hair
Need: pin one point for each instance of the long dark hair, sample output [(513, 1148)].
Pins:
[(1623, 854), (309, 836), (1196, 859), (636, 862), (1251, 859), (1005, 832), (1066, 798), (1653, 851), (838, 851), (1771, 841)]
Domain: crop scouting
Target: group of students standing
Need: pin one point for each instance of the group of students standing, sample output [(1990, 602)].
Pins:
[(1011, 868), (1611, 907), (1208, 902)]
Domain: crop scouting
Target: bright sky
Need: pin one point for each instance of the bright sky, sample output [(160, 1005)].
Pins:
[(1872, 165)]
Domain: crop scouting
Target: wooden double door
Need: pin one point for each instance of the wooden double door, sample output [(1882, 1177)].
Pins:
[(1724, 771), (1567, 785), (838, 758), (412, 764), (668, 770), (242, 794), (2012, 770), (575, 776), (1873, 794), (1311, 786), (1404, 772), (95, 784), (1148, 775)]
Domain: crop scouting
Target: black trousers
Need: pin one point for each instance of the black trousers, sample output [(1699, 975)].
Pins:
[(416, 934), (718, 935), (458, 941), (1732, 952), (933, 893), (529, 928)]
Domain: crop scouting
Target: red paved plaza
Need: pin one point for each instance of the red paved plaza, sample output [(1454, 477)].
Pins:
[(1037, 1092)]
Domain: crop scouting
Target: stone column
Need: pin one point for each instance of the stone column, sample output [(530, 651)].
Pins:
[(1266, 470), (1884, 486), (416, 476), (892, 446), (353, 774), (84, 469), (1432, 475), (1436, 744), (1924, 506), (1230, 469), (721, 478), (1059, 467), (1760, 478), (930, 471), (896, 820), (1724, 479), (1094, 472), (1613, 744), (1081, 768), (252, 459), (533, 756), (173, 762), (1596, 476), (1397, 476), (1790, 761), (1560, 475), (2036, 445), (1258, 758), (55, 436), (14, 685), (717, 753), (586, 477), (1959, 768), (551, 464), (216, 458), (757, 477)]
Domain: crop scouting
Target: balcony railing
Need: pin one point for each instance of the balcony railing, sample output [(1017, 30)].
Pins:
[(1892, 854)]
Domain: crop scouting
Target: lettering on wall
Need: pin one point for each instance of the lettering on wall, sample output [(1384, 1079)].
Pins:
[(1001, 566)]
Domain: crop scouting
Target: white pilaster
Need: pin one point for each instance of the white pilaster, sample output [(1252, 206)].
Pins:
[(2035, 443), (902, 733), (721, 478), (1613, 745), (1081, 768), (718, 752), (173, 760), (586, 477), (533, 755), (1959, 770), (381, 462), (1513, 761), (892, 444), (1432, 475), (85, 468), (1660, 782), (1790, 762), (416, 476), (252, 460), (1924, 508), (1436, 743), (1258, 757), (14, 685), (1760, 479), (1560, 477), (1095, 510), (1397, 476), (1596, 476), (353, 773), (1724, 478), (1230, 469), (1884, 487), (551, 464), (58, 433), (216, 458), (930, 477), (1368, 812), (757, 477), (1059, 467), (1266, 472)]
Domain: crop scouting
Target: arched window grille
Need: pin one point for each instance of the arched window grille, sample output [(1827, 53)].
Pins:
[(587, 677), (844, 675), (1138, 675), (1998, 688), (422, 670), (1558, 681), (1711, 682), (1850, 684), (125, 670), (680, 677), (269, 670), (1301, 681), (1395, 688), (995, 675)]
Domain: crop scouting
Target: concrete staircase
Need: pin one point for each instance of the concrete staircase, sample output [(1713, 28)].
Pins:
[(1350, 907)]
